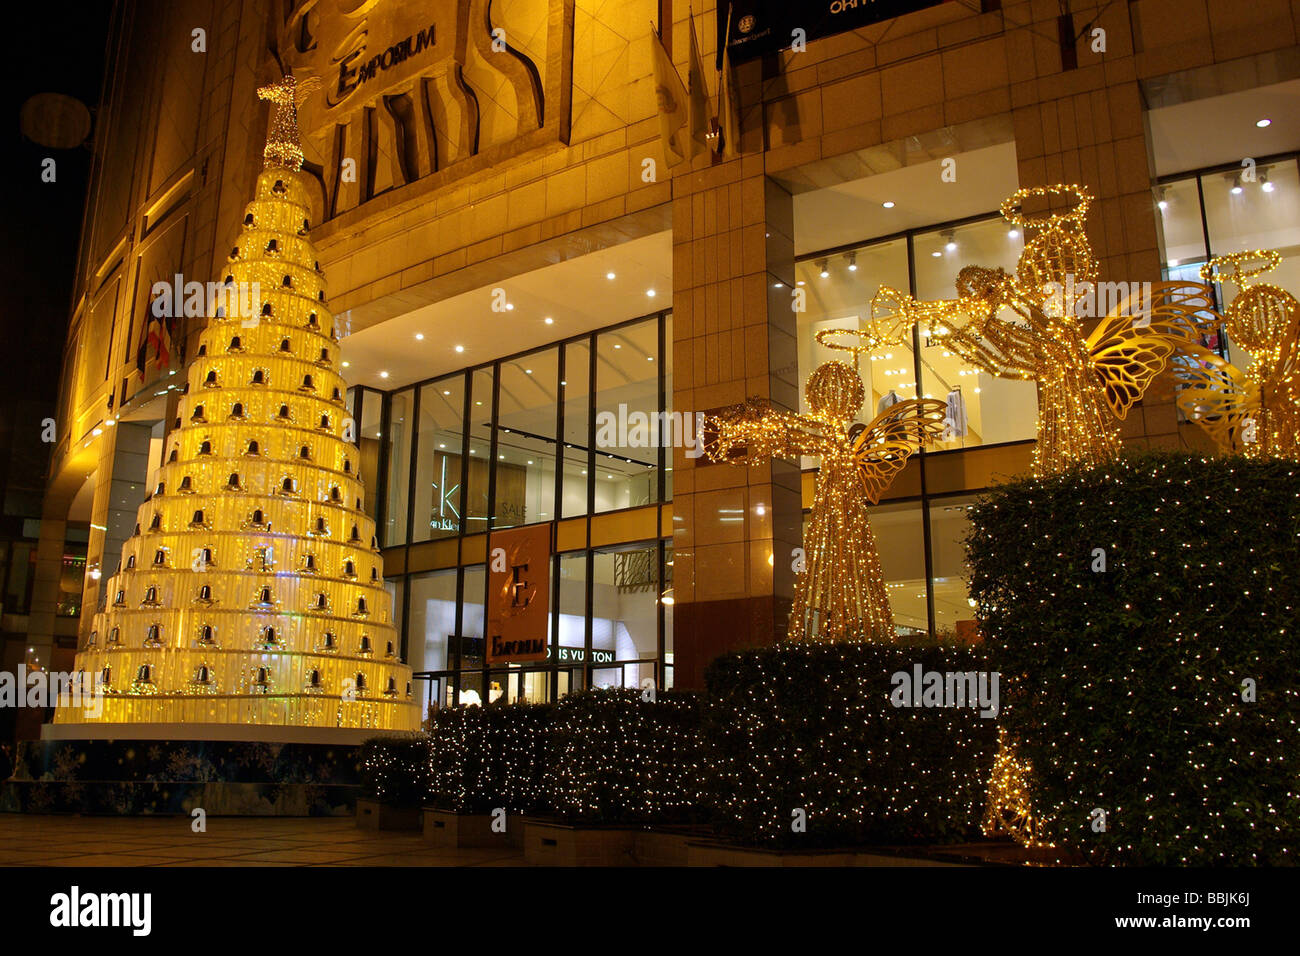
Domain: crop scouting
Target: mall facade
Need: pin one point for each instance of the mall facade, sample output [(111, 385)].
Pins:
[(522, 278)]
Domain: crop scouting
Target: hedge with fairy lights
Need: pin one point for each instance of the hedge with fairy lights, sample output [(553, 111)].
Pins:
[(395, 770), (625, 756), (482, 758), (1144, 615), (805, 748)]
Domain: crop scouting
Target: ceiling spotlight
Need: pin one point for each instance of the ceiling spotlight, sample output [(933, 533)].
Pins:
[(650, 293), (347, 364), (609, 275), (1236, 185), (1264, 184), (446, 391), (510, 306), (383, 375), (951, 243), (528, 371), (1263, 123), (936, 254), (853, 261), (617, 346), (823, 271), (460, 348), (419, 336), (1013, 233), (548, 320), (888, 204), (778, 285)]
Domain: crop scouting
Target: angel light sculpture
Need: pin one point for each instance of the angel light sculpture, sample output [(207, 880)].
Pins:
[(1255, 412), (840, 594), (1031, 326)]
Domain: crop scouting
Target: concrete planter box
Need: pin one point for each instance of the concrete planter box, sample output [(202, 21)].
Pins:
[(547, 843), (445, 828), (373, 815)]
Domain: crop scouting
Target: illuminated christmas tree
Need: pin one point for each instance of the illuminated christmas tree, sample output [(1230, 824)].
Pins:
[(252, 592)]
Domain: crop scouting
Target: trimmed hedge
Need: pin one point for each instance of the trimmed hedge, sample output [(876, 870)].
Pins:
[(811, 727), (1124, 687), (616, 757), (607, 756), (482, 758), (395, 770)]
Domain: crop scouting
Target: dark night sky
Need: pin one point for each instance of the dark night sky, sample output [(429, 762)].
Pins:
[(58, 48)]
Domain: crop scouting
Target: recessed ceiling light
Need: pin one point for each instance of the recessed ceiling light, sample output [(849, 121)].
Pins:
[(609, 275), (936, 253), (478, 403), (446, 391), (800, 282), (548, 320), (1013, 234), (888, 204), (419, 336), (460, 348), (530, 461), (778, 285), (510, 306), (1263, 122), (617, 346), (347, 364), (528, 371), (383, 375), (650, 293), (649, 358), (442, 444)]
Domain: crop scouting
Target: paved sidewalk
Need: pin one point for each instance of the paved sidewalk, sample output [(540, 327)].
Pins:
[(29, 840)]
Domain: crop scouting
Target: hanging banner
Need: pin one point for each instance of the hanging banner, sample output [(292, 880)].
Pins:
[(519, 593), (765, 26)]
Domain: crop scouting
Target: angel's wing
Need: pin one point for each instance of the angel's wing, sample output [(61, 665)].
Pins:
[(754, 431), (883, 447), (1134, 342), (1214, 394)]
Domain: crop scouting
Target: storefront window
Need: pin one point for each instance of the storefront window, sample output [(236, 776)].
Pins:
[(575, 386), (432, 617), (625, 615), (369, 447), (900, 539), (470, 637), (954, 615), (480, 451), (982, 409), (439, 456), (397, 449), (627, 417), (525, 485)]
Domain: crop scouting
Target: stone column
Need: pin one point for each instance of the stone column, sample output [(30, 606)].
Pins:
[(734, 528)]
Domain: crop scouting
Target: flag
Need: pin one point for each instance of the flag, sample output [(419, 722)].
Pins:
[(701, 116), (156, 341), (671, 96), (728, 111)]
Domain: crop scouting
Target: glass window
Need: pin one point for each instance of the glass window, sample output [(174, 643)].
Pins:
[(627, 416), (1244, 215), (982, 409), (625, 611), (839, 291), (432, 617), (439, 457), (954, 614), (900, 539), (570, 645), (470, 639), (480, 451), (397, 447), (369, 446), (576, 389), (525, 486), (677, 436), (1179, 208)]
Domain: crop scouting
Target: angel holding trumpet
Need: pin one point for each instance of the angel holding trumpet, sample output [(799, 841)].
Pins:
[(1031, 326), (840, 595)]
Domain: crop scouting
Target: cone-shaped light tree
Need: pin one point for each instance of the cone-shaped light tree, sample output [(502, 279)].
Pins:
[(252, 592)]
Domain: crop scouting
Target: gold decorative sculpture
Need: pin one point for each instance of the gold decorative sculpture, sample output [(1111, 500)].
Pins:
[(840, 595), (1030, 326), (1255, 412)]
